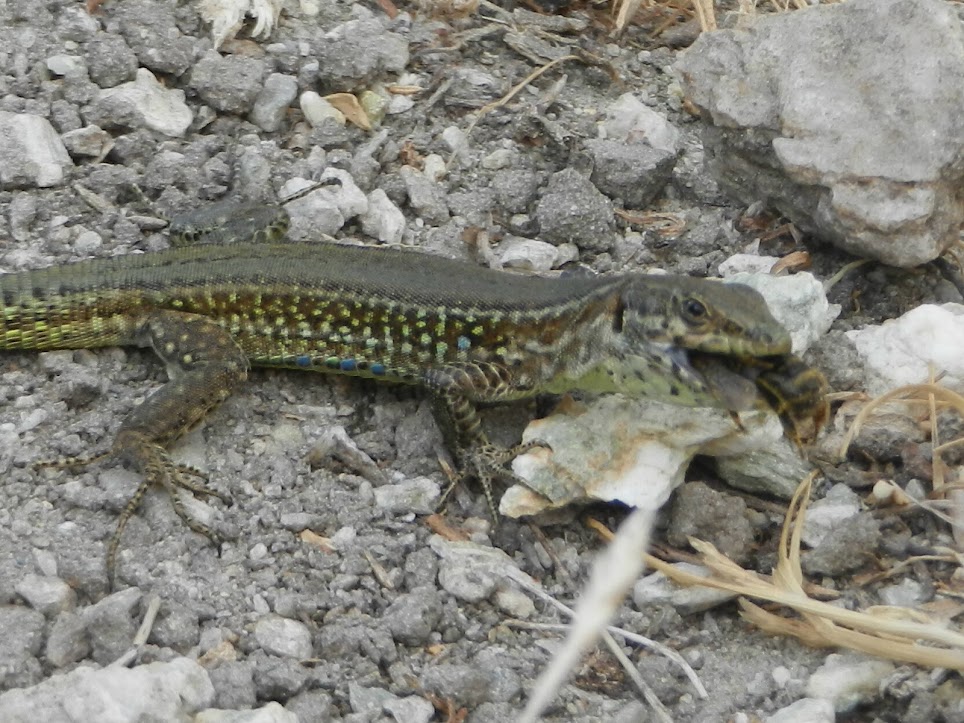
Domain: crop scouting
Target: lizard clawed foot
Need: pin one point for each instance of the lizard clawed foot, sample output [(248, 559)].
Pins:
[(486, 463), (155, 464)]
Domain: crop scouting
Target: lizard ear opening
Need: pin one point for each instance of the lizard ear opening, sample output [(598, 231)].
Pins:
[(618, 313)]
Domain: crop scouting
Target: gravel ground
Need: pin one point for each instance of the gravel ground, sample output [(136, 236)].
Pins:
[(333, 596)]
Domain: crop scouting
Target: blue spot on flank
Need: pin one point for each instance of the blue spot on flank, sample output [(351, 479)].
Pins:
[(463, 343), (377, 369), (347, 365), (303, 360)]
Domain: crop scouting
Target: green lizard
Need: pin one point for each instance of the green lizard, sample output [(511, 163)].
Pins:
[(469, 335)]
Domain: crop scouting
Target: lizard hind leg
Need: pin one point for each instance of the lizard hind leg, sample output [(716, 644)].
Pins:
[(205, 366), (454, 387)]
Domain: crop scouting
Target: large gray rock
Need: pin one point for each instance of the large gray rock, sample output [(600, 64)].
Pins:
[(847, 118), (157, 691)]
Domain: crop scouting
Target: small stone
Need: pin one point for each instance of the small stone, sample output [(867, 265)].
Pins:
[(69, 66), (67, 642), (419, 495), (273, 101), (143, 102), (91, 141), (110, 60), (634, 172), (573, 210), (425, 196), (229, 83), (805, 710), (412, 709), (21, 639), (87, 242), (31, 152), (46, 595), (907, 593), (848, 680), (278, 678), (174, 690), (455, 139), (629, 120), (284, 637), (110, 624), (901, 351), (499, 159), (358, 52), (317, 110), (516, 189), (368, 701), (824, 516), (413, 617), (434, 167), (271, 713), (233, 683), (657, 588), (471, 684), (311, 705), (472, 572), (721, 519), (151, 32), (383, 220), (514, 602), (527, 254), (845, 548)]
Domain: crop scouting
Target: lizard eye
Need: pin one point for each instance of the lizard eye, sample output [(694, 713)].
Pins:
[(694, 310)]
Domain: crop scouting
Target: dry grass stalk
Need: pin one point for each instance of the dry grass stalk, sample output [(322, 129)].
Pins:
[(935, 397), (884, 632)]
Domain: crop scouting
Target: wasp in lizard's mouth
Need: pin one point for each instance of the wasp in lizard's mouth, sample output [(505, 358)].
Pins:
[(784, 383)]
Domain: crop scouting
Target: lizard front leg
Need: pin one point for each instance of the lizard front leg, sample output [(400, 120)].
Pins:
[(455, 389), (205, 366)]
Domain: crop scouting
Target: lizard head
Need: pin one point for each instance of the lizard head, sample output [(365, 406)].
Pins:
[(701, 315), (700, 343)]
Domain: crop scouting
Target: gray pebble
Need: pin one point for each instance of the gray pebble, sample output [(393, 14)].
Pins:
[(110, 60), (21, 638), (273, 101), (700, 511), (358, 52), (31, 152), (311, 705), (634, 172), (573, 210), (228, 82), (176, 626), (367, 700), (419, 495), (277, 678), (284, 637), (233, 683), (67, 642), (110, 624), (151, 32), (47, 595), (413, 617), (845, 548), (425, 196), (167, 691), (412, 709)]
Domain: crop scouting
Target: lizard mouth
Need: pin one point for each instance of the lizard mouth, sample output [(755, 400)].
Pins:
[(784, 383)]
